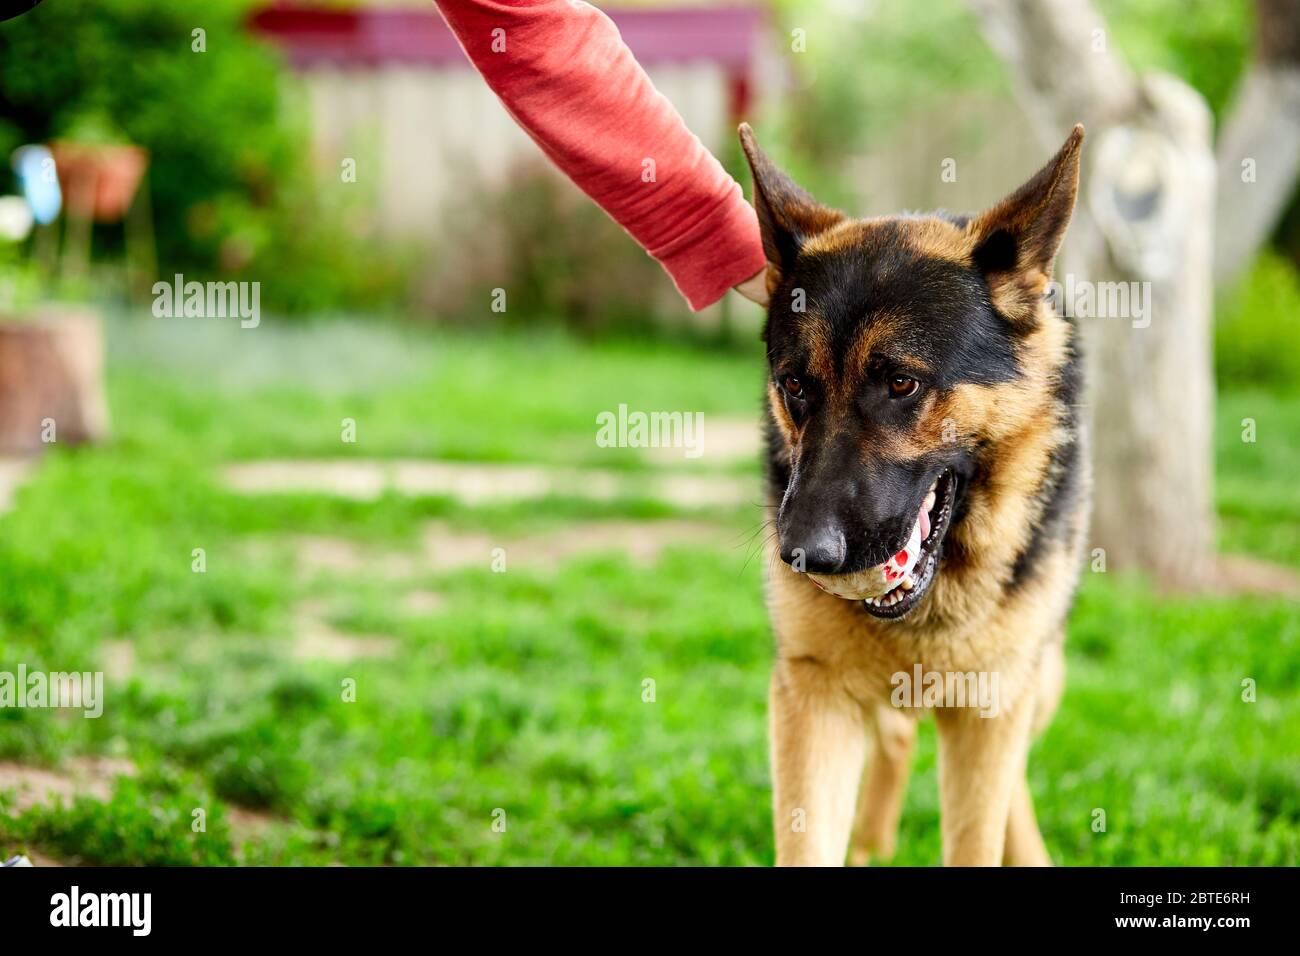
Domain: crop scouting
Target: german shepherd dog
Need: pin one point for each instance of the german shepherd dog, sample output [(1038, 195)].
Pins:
[(922, 389)]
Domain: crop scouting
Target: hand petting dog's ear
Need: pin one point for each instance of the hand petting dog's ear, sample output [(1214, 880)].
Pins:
[(755, 288), (787, 215)]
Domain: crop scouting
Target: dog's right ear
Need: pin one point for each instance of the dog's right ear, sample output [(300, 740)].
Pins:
[(787, 215)]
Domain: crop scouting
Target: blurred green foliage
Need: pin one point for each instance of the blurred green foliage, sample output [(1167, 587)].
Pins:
[(1203, 42), (860, 69), (564, 259), (211, 121), (1257, 332), (228, 181)]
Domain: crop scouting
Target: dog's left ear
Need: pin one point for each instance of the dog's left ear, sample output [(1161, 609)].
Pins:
[(787, 215), (1015, 242)]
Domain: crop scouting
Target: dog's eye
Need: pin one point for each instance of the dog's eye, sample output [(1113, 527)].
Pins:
[(792, 386), (900, 386)]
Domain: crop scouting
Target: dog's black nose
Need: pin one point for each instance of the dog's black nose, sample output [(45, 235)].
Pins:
[(820, 548)]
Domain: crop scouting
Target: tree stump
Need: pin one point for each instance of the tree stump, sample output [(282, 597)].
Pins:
[(51, 379)]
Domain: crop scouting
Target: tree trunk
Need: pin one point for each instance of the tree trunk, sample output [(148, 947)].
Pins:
[(51, 381), (1151, 200), (1259, 148), (1145, 216)]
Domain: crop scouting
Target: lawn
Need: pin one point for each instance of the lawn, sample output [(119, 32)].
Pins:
[(509, 719)]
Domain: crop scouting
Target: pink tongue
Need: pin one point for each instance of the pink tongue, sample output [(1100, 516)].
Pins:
[(925, 523)]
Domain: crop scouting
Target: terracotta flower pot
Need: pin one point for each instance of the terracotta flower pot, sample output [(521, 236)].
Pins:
[(99, 181)]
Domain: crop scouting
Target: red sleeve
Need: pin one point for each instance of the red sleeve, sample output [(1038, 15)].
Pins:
[(570, 82)]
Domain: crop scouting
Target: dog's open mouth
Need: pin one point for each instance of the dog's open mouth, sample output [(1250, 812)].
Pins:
[(892, 589)]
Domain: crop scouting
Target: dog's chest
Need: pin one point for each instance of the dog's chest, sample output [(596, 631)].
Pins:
[(872, 659)]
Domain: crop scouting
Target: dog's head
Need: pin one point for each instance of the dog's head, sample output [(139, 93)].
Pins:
[(896, 348)]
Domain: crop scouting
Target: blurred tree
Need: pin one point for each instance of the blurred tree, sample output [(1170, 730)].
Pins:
[(1259, 147), (1145, 219), (1147, 214)]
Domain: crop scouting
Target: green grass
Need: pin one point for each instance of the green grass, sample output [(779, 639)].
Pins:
[(1258, 454), (523, 692), (284, 392)]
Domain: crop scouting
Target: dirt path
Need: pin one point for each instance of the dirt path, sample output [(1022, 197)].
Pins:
[(368, 479), (444, 548), (93, 777)]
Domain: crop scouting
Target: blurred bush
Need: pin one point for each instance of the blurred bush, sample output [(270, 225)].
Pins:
[(229, 180), (1257, 334), (557, 255), (862, 69)]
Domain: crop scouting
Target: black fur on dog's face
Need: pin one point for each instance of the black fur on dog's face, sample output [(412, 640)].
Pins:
[(893, 345)]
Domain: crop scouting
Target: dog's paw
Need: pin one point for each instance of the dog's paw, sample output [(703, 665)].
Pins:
[(868, 846)]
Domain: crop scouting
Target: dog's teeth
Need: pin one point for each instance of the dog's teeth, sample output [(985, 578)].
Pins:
[(930, 500), (908, 583)]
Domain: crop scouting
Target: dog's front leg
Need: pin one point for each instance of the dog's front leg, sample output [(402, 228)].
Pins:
[(981, 760), (818, 747)]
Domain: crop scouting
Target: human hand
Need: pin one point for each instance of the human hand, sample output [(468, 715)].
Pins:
[(755, 288)]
